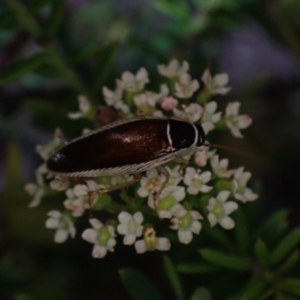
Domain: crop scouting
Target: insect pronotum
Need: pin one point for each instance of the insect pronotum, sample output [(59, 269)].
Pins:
[(128, 147)]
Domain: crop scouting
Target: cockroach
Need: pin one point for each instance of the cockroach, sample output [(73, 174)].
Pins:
[(128, 147)]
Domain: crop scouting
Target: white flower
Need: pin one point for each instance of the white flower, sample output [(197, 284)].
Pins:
[(63, 223), (114, 98), (135, 83), (186, 223), (217, 84), (175, 175), (210, 117), (100, 235), (47, 150), (196, 181), (235, 122), (167, 204), (202, 155), (84, 108), (174, 69), (130, 226), (151, 242), (191, 113), (220, 209), (82, 197), (240, 191), (220, 167), (60, 183), (150, 183), (121, 179), (37, 191), (146, 103), (186, 87)]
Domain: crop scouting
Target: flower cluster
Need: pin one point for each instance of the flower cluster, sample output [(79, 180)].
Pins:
[(205, 191)]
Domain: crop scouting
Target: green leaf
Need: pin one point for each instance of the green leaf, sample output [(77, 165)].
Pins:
[(19, 68), (217, 234), (285, 246), (201, 294), (283, 296), (262, 253), (241, 230), (253, 289), (24, 18), (292, 285), (290, 262), (276, 220), (197, 267), (173, 278), (55, 18), (177, 9), (138, 285), (226, 260)]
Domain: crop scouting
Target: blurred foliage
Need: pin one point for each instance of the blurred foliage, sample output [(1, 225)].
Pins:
[(52, 50)]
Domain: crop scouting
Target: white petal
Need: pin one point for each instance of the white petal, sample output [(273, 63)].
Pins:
[(196, 215), (227, 223), (211, 204), (221, 79), (52, 223), (243, 121), (206, 77), (142, 192), (99, 251), (165, 214), (205, 188), (124, 217), (60, 236), (138, 217), (140, 246), (122, 229), (207, 127), (163, 244), (179, 193), (249, 195), (232, 109), (54, 214), (129, 239), (205, 176), (238, 173), (111, 244), (196, 227), (212, 219), (229, 207), (90, 235), (75, 115), (244, 178), (223, 196), (192, 191), (185, 236), (37, 198), (95, 223)]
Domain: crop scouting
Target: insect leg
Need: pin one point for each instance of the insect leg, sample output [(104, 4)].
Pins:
[(165, 172), (183, 163)]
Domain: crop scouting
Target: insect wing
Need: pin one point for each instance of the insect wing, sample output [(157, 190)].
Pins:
[(128, 143)]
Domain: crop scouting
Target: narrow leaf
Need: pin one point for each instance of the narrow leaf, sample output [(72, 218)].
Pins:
[(290, 262), (20, 68), (226, 260), (197, 267), (274, 221), (138, 285), (241, 230), (262, 253), (173, 278), (285, 246), (292, 285), (254, 290), (201, 294)]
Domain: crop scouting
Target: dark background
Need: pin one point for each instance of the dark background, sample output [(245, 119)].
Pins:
[(66, 48)]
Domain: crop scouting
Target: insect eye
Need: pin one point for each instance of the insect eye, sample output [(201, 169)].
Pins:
[(56, 160)]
